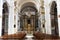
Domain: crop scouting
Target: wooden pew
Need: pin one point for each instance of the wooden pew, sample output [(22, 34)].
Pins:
[(19, 35), (39, 35)]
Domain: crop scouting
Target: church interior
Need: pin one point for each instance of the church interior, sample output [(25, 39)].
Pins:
[(29, 19)]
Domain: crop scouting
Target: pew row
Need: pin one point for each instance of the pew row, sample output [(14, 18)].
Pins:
[(39, 35), (19, 35)]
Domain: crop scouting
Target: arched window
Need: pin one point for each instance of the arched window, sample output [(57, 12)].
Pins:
[(54, 20), (5, 13)]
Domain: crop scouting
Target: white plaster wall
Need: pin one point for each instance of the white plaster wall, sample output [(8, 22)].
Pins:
[(1, 2), (11, 17), (47, 17), (58, 9)]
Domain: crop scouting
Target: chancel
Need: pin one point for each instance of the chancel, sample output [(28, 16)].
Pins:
[(29, 19)]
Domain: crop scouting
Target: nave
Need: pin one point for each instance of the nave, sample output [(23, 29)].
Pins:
[(29, 20)]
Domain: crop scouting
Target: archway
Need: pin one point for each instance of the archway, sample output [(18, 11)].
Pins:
[(29, 18), (54, 19), (5, 14)]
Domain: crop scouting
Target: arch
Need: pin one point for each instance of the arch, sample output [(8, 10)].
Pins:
[(28, 4), (30, 17), (5, 14), (5, 7), (54, 19), (54, 4)]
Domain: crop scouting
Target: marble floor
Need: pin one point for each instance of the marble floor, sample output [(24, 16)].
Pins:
[(29, 37)]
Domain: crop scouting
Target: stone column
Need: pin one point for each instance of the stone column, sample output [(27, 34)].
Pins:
[(1, 2), (11, 17), (47, 17), (58, 14), (17, 22), (47, 22), (42, 10)]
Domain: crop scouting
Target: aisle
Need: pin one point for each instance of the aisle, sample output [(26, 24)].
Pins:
[(29, 37)]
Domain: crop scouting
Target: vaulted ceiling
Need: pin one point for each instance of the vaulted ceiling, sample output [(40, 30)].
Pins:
[(19, 3)]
